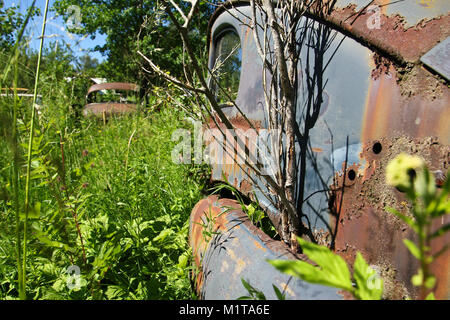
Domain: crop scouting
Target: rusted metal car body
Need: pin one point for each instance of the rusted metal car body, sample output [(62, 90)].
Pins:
[(117, 106), (387, 74)]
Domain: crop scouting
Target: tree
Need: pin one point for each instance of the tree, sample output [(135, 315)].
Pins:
[(11, 41), (86, 64), (131, 25), (10, 22)]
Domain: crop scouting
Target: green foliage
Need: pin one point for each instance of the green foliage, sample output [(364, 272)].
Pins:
[(132, 25), (126, 227), (208, 225), (368, 285), (10, 53), (105, 199), (254, 294), (411, 175), (10, 21), (256, 214), (331, 270)]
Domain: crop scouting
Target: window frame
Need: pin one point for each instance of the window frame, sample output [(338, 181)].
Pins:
[(218, 35)]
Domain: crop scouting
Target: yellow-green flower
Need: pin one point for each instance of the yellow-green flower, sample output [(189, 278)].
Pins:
[(399, 169)]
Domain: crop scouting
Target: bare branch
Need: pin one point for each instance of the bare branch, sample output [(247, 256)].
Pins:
[(170, 78), (178, 9)]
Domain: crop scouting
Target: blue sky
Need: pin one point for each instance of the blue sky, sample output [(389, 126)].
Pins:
[(56, 30)]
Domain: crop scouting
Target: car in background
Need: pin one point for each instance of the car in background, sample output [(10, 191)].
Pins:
[(22, 94), (114, 98)]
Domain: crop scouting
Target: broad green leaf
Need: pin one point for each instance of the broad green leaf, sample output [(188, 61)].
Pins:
[(42, 237), (440, 231), (430, 282), (182, 261), (412, 248), (331, 271), (250, 209), (163, 235), (114, 292), (298, 268), (246, 285), (59, 285), (369, 286), (330, 263), (280, 295), (52, 243), (36, 212), (417, 279), (430, 296)]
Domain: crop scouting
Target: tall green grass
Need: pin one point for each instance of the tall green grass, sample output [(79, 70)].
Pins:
[(91, 210), (8, 119), (22, 279), (116, 207), (105, 198)]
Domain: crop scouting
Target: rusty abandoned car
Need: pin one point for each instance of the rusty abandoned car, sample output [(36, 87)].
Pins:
[(115, 98), (387, 74)]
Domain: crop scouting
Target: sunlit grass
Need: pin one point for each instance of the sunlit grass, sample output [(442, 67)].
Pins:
[(116, 206)]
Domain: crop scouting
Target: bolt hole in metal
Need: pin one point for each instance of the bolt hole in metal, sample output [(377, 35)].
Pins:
[(351, 174), (377, 147)]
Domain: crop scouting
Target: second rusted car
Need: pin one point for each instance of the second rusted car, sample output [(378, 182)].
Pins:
[(106, 99)]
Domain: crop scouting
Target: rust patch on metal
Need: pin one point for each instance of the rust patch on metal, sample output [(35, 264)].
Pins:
[(113, 86), (259, 246), (219, 212), (417, 81), (238, 122), (404, 44), (416, 106), (317, 150), (382, 66), (246, 187), (240, 263), (364, 224), (109, 108), (208, 214)]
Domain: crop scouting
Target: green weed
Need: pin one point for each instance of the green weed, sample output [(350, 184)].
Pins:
[(105, 198)]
